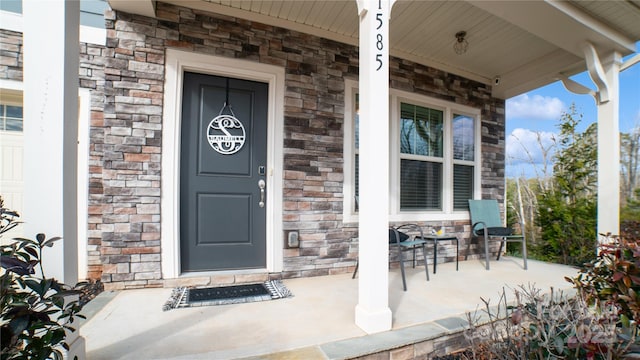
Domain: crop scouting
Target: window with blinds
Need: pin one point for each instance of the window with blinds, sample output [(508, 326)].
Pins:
[(421, 150), (462, 186), (463, 161), (420, 185), (434, 165)]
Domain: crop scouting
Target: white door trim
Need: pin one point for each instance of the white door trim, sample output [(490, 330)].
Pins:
[(84, 119), (177, 61)]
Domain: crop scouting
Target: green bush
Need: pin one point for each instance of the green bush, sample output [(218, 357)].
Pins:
[(613, 278), (568, 229), (567, 208), (34, 310), (631, 210)]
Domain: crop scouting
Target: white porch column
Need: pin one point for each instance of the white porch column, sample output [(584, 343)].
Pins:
[(605, 73), (372, 312), (609, 149), (51, 57)]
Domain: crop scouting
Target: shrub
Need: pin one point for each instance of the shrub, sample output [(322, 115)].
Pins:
[(599, 322), (34, 312), (545, 326), (613, 278), (567, 207), (631, 210), (568, 229)]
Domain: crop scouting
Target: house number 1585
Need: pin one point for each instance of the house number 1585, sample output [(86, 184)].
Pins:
[(379, 38)]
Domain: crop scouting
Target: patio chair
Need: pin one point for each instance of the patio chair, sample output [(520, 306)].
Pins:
[(402, 242), (485, 222)]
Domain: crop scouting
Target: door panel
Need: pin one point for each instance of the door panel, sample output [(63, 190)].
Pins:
[(211, 162), (234, 204), (222, 225)]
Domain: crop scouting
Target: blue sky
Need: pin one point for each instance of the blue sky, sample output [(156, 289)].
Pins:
[(533, 118)]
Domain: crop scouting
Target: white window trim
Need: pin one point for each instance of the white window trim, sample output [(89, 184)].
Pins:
[(84, 119), (93, 35), (11, 21), (11, 85), (349, 149), (398, 96)]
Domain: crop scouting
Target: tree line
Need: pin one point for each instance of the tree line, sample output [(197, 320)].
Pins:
[(559, 207)]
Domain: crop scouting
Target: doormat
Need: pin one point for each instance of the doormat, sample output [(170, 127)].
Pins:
[(237, 294)]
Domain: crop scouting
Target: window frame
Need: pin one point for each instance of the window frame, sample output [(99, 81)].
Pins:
[(396, 98), (397, 155), (477, 141), (10, 97)]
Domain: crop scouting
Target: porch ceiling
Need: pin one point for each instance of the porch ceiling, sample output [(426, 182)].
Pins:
[(526, 43)]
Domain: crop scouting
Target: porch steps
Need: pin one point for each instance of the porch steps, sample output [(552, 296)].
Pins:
[(414, 342)]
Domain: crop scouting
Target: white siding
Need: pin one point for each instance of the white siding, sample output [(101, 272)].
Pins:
[(11, 181)]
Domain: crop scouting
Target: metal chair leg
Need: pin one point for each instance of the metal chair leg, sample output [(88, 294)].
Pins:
[(502, 242), (524, 253), (404, 280), (356, 269), (435, 254), (457, 252), (486, 249), (426, 266)]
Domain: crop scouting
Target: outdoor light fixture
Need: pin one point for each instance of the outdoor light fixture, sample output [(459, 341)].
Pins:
[(461, 44)]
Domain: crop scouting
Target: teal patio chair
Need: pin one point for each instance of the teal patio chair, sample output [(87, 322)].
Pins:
[(486, 222)]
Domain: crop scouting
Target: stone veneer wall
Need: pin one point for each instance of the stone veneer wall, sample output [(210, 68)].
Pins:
[(126, 78), (10, 55)]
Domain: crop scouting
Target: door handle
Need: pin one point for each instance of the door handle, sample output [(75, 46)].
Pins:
[(261, 185)]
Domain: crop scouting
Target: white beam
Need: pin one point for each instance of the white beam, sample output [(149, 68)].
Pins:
[(596, 72), (51, 61), (630, 62), (536, 73), (593, 26), (140, 7), (576, 87), (558, 23), (372, 312), (11, 21)]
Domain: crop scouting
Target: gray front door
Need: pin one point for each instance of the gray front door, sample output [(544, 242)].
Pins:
[(222, 167)]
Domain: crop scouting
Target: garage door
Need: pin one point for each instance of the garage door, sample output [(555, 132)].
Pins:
[(11, 154)]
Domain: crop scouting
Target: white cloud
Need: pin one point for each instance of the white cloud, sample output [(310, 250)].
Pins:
[(526, 152), (534, 107)]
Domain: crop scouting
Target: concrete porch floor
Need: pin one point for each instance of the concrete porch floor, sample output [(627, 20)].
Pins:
[(317, 323)]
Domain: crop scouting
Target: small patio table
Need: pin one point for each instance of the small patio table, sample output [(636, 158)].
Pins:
[(435, 239)]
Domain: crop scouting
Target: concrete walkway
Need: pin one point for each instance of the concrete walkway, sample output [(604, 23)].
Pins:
[(317, 323)]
